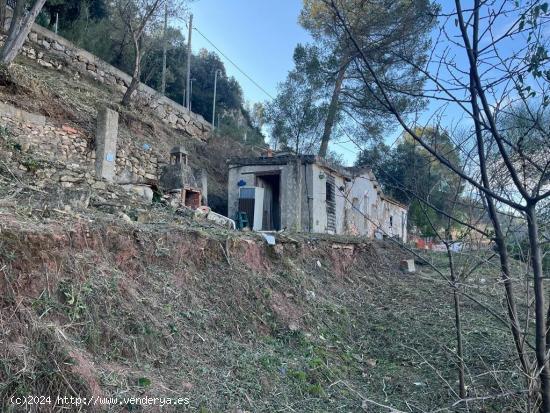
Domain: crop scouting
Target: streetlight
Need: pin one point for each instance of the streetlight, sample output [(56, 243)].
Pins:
[(214, 100)]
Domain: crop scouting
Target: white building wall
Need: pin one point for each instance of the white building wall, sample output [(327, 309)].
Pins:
[(319, 196), (362, 205), (340, 205), (394, 220), (368, 211), (360, 209)]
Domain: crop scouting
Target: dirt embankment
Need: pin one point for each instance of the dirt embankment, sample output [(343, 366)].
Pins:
[(109, 309)]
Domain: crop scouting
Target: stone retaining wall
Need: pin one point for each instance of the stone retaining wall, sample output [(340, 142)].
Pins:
[(66, 145), (55, 52)]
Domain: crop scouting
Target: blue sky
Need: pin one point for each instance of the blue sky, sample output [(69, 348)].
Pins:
[(257, 35), (260, 37)]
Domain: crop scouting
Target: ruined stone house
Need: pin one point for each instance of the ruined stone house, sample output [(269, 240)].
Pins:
[(306, 193)]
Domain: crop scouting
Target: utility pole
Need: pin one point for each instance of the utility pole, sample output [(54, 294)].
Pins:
[(188, 87), (164, 51), (191, 92), (214, 100)]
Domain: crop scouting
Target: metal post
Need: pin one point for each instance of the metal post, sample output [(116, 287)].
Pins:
[(188, 88), (214, 100), (56, 22)]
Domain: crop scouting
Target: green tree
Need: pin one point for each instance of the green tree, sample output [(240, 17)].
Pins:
[(295, 118), (73, 13), (85, 23), (389, 30), (415, 177)]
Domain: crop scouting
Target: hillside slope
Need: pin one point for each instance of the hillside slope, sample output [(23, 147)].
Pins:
[(315, 325), (69, 98), (95, 306), (104, 295)]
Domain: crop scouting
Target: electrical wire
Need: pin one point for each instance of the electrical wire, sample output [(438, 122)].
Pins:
[(234, 64)]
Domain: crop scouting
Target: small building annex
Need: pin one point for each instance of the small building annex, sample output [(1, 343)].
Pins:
[(305, 193)]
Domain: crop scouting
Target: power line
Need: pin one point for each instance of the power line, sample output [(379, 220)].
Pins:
[(234, 64), (258, 85)]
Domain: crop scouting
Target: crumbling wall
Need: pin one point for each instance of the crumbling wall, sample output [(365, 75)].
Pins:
[(393, 219), (74, 148), (362, 205), (57, 53)]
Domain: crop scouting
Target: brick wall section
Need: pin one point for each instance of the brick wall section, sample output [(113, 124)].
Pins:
[(55, 52)]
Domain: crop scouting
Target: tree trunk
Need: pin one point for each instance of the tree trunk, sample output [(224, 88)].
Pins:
[(127, 98), (508, 287), (458, 327), (15, 24), (540, 324), (19, 31), (499, 235), (332, 110), (3, 7)]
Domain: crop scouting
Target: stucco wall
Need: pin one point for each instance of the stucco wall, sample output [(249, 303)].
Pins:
[(246, 173), (307, 197), (363, 199), (319, 196), (318, 205), (303, 182), (366, 199), (397, 225)]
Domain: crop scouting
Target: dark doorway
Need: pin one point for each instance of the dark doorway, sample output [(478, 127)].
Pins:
[(272, 205)]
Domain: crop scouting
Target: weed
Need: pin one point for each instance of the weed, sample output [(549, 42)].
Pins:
[(143, 382), (316, 390), (7, 134), (73, 296), (32, 165)]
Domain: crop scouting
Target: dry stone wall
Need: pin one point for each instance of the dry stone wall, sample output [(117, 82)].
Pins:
[(71, 152), (57, 53)]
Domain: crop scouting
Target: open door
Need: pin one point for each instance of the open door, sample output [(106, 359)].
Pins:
[(251, 201), (271, 183)]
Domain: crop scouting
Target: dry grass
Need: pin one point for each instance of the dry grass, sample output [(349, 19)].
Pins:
[(171, 309), (92, 305)]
